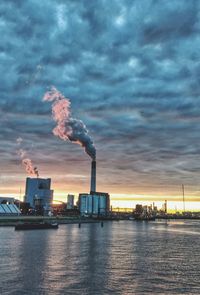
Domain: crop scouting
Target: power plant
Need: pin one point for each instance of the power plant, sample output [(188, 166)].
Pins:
[(38, 193), (95, 203), (39, 197), (73, 129)]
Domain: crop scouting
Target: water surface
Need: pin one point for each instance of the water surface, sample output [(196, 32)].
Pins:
[(125, 257)]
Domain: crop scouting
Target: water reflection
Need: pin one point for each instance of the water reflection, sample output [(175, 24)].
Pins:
[(32, 259), (120, 258)]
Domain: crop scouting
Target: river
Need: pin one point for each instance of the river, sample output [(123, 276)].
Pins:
[(124, 257)]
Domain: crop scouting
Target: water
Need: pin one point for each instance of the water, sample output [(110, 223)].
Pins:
[(123, 257)]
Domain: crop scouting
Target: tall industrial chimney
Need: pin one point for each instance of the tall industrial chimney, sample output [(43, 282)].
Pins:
[(93, 177)]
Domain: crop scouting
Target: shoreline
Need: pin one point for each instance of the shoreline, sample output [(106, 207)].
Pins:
[(14, 220)]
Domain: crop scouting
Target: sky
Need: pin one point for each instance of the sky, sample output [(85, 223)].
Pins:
[(131, 71)]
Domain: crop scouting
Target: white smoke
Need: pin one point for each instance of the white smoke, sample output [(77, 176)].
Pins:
[(68, 128)]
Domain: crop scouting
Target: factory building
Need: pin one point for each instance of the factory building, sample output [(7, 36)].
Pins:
[(70, 201), (38, 193), (7, 207), (95, 203)]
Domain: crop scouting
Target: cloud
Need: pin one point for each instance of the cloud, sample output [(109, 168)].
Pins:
[(131, 70)]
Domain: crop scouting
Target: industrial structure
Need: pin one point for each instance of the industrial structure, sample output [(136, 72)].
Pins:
[(93, 177), (95, 203), (8, 207), (164, 207), (144, 212), (70, 201), (39, 194)]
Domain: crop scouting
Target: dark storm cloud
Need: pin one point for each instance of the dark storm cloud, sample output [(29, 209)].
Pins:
[(177, 20), (131, 70)]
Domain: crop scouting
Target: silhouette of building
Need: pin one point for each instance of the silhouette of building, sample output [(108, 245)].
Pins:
[(70, 201)]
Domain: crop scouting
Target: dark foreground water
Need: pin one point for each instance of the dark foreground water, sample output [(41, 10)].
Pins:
[(123, 257)]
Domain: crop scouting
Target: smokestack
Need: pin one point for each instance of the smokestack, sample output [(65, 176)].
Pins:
[(93, 177)]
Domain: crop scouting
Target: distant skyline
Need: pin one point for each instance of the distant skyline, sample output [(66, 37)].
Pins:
[(131, 71)]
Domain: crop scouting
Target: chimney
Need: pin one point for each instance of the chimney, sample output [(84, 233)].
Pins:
[(93, 177)]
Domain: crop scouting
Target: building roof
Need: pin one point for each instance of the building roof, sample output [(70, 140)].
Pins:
[(94, 193), (9, 209)]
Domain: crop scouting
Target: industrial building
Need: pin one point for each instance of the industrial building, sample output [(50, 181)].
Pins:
[(95, 203), (38, 193), (70, 201), (7, 207)]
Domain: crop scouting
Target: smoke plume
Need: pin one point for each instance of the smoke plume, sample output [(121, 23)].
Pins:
[(30, 169), (68, 128)]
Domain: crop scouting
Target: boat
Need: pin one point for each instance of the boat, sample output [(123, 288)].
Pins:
[(36, 225)]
